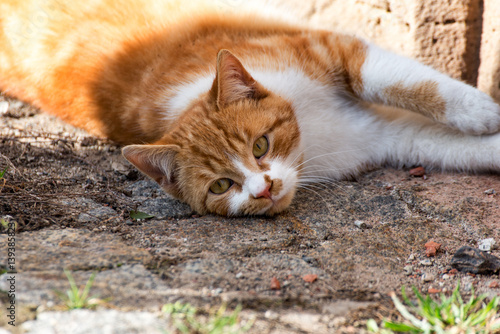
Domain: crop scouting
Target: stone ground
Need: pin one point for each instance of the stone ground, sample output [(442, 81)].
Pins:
[(71, 194)]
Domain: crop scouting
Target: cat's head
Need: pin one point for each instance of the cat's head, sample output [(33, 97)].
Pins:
[(235, 151)]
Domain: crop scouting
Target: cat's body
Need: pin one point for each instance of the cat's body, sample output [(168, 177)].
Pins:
[(240, 110)]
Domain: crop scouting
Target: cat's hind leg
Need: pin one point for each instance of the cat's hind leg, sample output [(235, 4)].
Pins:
[(401, 82)]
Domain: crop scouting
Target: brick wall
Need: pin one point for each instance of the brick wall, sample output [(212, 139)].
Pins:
[(458, 37)]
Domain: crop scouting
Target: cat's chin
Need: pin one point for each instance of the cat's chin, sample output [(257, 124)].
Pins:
[(278, 206)]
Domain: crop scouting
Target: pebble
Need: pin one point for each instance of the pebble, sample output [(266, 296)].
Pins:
[(275, 284), (239, 275), (411, 258), (262, 239), (445, 276), (428, 277), (310, 278), (271, 315), (490, 192), (487, 245), (472, 260), (417, 172), (361, 224), (494, 285), (120, 167), (431, 248), (4, 107), (408, 270), (426, 263)]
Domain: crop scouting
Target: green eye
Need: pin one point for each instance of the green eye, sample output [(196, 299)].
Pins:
[(260, 147), (221, 186)]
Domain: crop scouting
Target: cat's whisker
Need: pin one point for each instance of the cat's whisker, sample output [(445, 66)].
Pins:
[(319, 181), (328, 173), (299, 154), (329, 154), (317, 193), (311, 169)]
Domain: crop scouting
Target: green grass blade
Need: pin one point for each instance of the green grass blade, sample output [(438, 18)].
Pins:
[(371, 326), (71, 280), (405, 313), (86, 290), (446, 316), (78, 297), (400, 327)]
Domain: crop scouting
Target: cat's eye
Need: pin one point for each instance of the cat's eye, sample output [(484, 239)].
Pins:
[(260, 147), (221, 186)]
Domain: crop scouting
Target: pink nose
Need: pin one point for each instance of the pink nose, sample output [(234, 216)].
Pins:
[(266, 193)]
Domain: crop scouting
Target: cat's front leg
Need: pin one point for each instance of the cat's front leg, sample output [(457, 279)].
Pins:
[(398, 81), (412, 140)]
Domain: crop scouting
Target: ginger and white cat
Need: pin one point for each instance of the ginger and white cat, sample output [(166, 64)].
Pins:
[(230, 111)]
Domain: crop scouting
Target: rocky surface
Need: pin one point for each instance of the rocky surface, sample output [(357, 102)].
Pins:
[(85, 321), (70, 196)]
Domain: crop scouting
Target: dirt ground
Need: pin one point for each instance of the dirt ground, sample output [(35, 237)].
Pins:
[(71, 194)]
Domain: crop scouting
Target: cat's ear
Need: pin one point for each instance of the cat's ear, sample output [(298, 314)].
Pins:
[(156, 161), (232, 82)]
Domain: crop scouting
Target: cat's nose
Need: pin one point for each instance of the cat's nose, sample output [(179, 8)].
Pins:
[(266, 192)]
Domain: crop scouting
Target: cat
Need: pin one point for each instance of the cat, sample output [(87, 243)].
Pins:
[(232, 112)]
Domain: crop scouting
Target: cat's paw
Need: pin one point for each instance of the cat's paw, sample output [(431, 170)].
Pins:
[(472, 111)]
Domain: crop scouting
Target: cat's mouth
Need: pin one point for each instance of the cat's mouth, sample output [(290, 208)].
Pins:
[(277, 204), (281, 200), (268, 206)]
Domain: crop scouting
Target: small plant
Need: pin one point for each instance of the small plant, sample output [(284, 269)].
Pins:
[(449, 316), (77, 298), (185, 320), (2, 180), (2, 173)]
